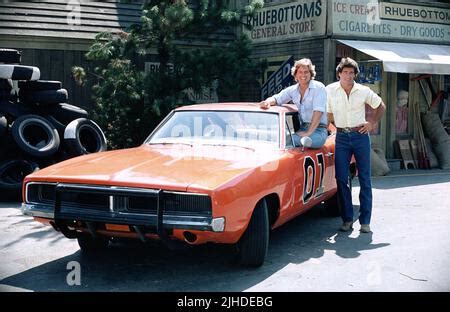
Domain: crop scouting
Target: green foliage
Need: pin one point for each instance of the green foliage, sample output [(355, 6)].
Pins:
[(130, 102)]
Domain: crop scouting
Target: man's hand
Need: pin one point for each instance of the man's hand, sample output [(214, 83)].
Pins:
[(264, 104), (366, 128)]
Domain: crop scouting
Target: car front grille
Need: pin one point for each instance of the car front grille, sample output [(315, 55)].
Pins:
[(119, 199)]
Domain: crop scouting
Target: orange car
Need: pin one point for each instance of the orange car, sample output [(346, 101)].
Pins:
[(223, 173)]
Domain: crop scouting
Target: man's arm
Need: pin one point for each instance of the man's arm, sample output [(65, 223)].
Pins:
[(331, 119), (374, 118), (270, 101), (313, 125)]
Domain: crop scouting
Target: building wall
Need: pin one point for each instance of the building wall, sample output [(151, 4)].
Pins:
[(57, 65), (55, 35), (313, 49)]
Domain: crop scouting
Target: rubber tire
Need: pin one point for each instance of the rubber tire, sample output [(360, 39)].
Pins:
[(39, 85), (58, 125), (66, 113), (254, 243), (12, 173), (17, 131), (44, 97), (6, 85), (3, 126), (81, 132), (90, 245), (9, 56), (19, 72), (15, 109), (6, 95)]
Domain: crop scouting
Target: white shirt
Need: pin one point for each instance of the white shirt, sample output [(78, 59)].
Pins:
[(350, 111), (314, 99)]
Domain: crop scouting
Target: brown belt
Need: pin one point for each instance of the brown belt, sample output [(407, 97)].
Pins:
[(348, 129)]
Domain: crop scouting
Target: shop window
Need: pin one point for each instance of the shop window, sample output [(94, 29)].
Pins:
[(401, 108), (370, 76)]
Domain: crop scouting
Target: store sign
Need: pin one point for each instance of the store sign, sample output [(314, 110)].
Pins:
[(293, 20), (371, 19), (278, 80)]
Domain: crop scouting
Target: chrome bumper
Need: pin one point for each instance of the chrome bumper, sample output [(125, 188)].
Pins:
[(169, 221)]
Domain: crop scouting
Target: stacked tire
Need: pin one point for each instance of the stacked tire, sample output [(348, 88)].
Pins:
[(37, 126)]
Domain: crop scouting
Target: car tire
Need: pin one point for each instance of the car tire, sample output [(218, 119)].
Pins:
[(39, 85), (30, 132), (12, 173), (66, 113), (90, 245), (58, 125), (19, 72), (6, 95), (6, 84), (15, 109), (44, 97), (253, 245), (83, 136), (9, 56), (3, 126)]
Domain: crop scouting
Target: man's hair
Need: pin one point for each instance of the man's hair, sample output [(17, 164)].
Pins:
[(304, 62), (347, 62)]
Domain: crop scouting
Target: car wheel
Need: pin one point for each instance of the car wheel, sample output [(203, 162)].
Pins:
[(253, 245), (90, 244)]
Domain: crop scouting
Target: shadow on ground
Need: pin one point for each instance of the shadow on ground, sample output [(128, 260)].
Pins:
[(153, 267)]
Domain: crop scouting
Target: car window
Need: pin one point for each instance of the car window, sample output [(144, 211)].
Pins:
[(293, 122), (289, 141), (219, 127)]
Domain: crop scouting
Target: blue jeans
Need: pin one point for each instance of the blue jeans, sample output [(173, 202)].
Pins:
[(318, 137), (357, 144)]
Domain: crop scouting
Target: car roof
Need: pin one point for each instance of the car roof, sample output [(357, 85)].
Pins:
[(238, 106)]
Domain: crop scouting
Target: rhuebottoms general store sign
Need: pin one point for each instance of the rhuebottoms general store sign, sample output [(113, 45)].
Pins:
[(350, 18), (289, 20)]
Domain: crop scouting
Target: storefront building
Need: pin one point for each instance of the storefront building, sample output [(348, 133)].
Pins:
[(394, 43)]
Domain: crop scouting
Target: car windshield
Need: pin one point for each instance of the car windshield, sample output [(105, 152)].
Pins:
[(247, 129)]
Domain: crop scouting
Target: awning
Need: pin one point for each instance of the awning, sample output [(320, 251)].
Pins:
[(410, 58)]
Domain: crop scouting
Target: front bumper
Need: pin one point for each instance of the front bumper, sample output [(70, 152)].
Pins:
[(70, 206), (80, 214)]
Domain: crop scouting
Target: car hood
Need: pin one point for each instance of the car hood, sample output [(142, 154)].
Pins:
[(174, 167)]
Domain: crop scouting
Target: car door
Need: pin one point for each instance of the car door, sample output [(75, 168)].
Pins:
[(314, 168)]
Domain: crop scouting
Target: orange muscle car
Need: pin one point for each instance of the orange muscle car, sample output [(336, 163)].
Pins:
[(224, 173)]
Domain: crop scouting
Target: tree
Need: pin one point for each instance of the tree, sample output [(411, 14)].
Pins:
[(128, 101)]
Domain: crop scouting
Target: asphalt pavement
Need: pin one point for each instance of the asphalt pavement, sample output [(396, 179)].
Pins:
[(409, 250)]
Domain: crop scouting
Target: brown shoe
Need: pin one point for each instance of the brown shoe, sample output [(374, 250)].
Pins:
[(365, 228), (346, 226)]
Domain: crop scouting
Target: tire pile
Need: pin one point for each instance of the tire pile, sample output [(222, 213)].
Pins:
[(37, 127)]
